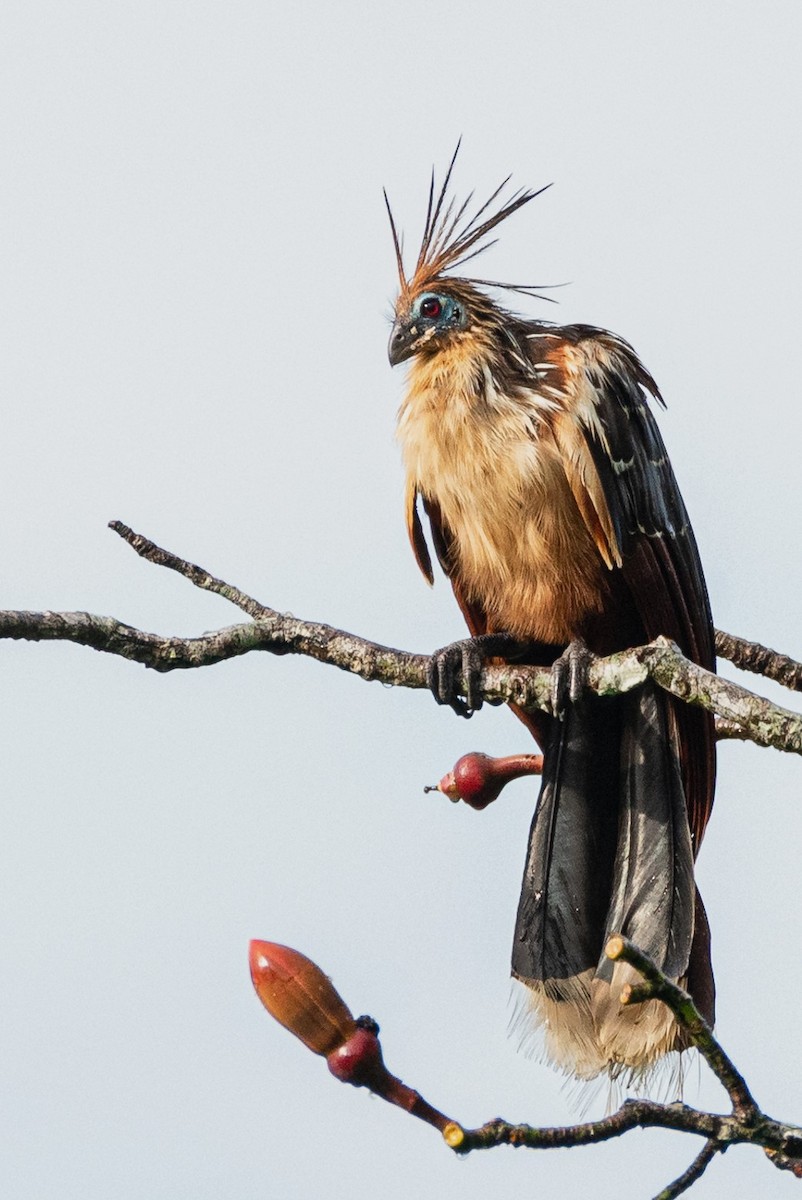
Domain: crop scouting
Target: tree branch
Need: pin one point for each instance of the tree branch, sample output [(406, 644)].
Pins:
[(657, 986), (751, 656), (741, 713), (747, 1123), (197, 575), (693, 1172), (303, 999)]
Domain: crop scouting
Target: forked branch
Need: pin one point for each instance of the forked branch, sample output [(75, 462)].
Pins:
[(740, 713), (352, 1047), (302, 998)]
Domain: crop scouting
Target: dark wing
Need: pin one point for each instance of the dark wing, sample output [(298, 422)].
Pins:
[(623, 483)]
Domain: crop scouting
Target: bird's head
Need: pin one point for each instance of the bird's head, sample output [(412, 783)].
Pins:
[(435, 310), (427, 321)]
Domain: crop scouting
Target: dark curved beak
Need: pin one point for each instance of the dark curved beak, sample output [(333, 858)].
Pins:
[(402, 343)]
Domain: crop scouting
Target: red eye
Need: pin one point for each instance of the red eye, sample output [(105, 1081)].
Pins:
[(431, 308)]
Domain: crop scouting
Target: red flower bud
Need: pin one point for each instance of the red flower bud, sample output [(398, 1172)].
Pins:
[(297, 993), (477, 778)]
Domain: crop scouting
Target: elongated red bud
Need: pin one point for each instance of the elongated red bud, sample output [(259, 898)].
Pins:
[(300, 996), (295, 991), (477, 778)]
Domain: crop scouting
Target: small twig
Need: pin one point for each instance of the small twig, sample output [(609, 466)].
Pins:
[(751, 656), (197, 575), (694, 1171), (658, 987), (785, 1163), (746, 1124), (725, 1129)]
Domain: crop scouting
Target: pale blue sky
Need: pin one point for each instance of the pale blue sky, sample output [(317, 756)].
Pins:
[(196, 278)]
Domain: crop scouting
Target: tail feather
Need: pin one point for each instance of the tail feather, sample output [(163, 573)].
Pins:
[(569, 869), (653, 890), (609, 852)]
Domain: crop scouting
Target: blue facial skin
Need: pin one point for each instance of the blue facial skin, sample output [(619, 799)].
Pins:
[(431, 311), (435, 308)]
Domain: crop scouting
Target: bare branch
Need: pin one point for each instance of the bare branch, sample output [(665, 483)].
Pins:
[(751, 656), (747, 1123), (785, 1163), (658, 987), (694, 1171), (317, 1015), (740, 712), (197, 575)]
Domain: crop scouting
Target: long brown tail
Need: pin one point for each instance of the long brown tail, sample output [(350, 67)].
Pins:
[(610, 852)]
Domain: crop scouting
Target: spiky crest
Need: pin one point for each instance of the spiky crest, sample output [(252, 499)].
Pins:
[(449, 241)]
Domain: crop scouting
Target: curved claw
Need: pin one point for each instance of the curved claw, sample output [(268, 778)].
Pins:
[(569, 676), (464, 660), (446, 666)]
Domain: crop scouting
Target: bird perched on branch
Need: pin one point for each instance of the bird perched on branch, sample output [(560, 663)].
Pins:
[(556, 516)]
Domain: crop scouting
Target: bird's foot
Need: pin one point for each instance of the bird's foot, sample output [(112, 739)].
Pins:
[(569, 676), (461, 663)]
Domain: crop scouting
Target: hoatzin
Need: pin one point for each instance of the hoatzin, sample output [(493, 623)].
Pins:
[(556, 516)]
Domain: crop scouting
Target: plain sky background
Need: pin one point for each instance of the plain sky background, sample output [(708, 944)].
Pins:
[(196, 280)]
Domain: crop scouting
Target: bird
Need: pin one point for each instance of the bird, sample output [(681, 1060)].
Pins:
[(553, 510)]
